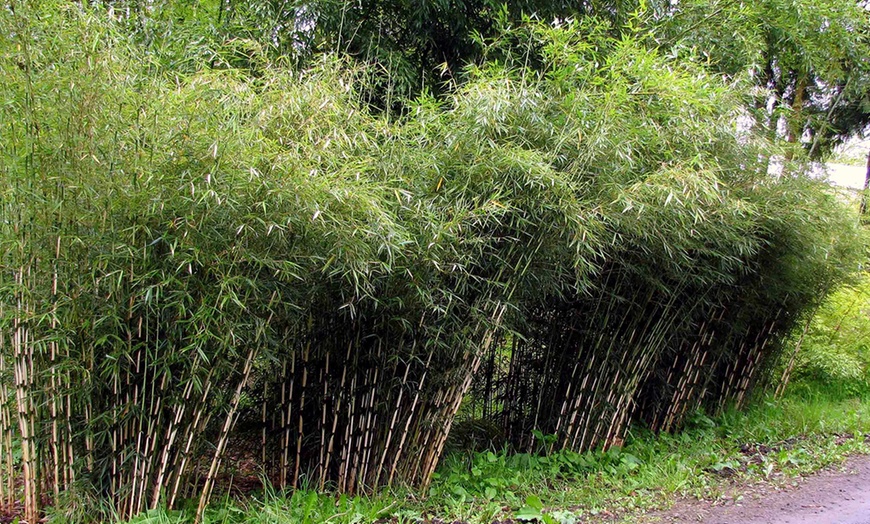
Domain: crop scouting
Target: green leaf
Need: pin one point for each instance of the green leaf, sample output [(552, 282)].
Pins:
[(527, 513), (534, 502)]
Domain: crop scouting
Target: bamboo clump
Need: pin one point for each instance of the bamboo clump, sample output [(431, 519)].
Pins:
[(202, 262)]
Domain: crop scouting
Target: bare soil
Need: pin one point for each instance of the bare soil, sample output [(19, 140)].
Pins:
[(834, 496)]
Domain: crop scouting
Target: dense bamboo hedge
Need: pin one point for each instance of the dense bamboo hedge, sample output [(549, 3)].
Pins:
[(191, 262)]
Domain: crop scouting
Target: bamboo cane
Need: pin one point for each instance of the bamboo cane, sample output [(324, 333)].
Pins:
[(223, 437)]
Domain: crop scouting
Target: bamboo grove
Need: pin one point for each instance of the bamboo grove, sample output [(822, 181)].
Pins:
[(204, 261)]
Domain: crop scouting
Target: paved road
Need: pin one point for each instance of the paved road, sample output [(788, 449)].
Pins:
[(825, 498)]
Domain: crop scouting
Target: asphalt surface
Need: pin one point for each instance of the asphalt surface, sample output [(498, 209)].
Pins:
[(831, 497)]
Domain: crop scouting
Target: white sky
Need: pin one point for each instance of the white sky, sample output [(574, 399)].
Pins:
[(846, 176)]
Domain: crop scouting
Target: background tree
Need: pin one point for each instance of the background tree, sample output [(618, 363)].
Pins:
[(412, 46), (806, 60)]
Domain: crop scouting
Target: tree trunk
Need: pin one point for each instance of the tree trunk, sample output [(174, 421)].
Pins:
[(795, 123), (866, 186)]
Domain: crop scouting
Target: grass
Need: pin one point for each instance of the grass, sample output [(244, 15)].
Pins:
[(772, 441)]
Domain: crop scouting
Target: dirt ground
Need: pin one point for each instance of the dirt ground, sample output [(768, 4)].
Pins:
[(835, 496)]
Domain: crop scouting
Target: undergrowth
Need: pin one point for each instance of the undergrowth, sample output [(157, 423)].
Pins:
[(771, 441), (834, 355)]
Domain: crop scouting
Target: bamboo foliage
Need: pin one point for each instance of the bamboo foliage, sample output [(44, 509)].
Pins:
[(198, 264), (685, 309)]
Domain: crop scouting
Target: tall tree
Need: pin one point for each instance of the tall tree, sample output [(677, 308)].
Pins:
[(411, 46), (421, 44), (800, 55)]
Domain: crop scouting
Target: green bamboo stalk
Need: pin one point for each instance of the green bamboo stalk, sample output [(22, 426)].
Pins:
[(223, 438)]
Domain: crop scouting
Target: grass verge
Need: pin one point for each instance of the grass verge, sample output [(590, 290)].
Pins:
[(772, 441)]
